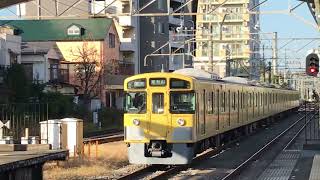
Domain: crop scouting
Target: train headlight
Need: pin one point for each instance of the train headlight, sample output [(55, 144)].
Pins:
[(181, 122), (136, 122)]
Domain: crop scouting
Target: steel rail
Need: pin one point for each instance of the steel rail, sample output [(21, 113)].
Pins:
[(242, 166), (106, 138)]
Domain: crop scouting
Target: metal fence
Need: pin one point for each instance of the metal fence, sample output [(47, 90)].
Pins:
[(16, 118), (312, 130)]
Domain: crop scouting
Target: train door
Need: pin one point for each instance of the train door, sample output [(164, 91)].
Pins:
[(229, 99), (217, 109), (247, 105), (159, 122), (262, 103), (222, 108), (203, 113), (238, 100), (258, 104), (197, 112)]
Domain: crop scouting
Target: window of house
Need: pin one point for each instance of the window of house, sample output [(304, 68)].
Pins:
[(161, 4), (161, 27), (74, 31), (112, 40)]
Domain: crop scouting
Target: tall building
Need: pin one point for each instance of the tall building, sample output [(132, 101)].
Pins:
[(227, 38), (139, 35)]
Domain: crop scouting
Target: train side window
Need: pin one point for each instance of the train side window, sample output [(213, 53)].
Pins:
[(218, 101), (222, 100), (212, 102), (209, 103), (253, 100)]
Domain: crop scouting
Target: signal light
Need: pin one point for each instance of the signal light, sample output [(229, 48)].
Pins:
[(312, 64), (312, 70)]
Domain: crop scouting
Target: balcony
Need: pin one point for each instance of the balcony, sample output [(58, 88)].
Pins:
[(176, 62), (128, 44), (176, 39), (59, 75), (175, 19), (127, 21)]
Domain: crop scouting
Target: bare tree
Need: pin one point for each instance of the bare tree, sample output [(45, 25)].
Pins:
[(89, 68)]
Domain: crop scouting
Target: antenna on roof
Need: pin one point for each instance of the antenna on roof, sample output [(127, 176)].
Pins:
[(162, 68)]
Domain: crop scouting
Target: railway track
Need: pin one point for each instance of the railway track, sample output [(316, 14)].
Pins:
[(163, 172), (106, 138), (242, 166)]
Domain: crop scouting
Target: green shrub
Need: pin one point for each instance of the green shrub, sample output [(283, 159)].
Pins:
[(111, 117)]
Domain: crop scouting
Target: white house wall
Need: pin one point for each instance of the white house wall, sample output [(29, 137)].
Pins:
[(40, 66), (9, 42)]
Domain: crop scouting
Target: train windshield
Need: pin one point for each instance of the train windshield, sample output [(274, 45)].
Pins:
[(135, 102), (182, 102)]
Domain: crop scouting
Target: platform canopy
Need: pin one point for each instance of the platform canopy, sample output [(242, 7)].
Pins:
[(6, 3)]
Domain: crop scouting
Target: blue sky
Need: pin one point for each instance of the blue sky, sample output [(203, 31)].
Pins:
[(289, 26)]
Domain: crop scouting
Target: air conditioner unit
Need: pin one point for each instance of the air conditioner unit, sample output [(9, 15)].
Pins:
[(223, 10), (224, 46), (225, 29)]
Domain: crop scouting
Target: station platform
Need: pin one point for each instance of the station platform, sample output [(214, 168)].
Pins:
[(27, 164)]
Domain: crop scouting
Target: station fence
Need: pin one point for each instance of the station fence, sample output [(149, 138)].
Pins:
[(21, 119)]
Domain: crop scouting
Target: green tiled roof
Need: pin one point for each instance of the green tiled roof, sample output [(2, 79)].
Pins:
[(56, 29)]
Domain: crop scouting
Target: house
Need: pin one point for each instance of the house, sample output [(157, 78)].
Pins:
[(10, 53), (53, 48)]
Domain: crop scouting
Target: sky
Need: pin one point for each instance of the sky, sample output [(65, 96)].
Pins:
[(287, 26)]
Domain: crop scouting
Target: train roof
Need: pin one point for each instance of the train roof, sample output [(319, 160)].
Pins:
[(206, 76)]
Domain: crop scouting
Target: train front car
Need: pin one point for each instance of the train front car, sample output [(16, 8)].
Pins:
[(158, 123)]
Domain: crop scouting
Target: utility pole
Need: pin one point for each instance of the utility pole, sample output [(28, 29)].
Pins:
[(285, 66), (275, 53), (270, 72), (56, 5), (264, 65), (210, 68)]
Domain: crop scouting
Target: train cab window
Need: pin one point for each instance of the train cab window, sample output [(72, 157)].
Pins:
[(182, 103), (135, 102), (137, 84), (179, 84), (158, 103)]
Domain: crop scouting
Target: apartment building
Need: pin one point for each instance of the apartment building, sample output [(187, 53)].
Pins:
[(139, 36), (227, 38)]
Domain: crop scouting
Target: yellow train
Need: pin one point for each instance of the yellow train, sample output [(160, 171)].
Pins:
[(171, 117)]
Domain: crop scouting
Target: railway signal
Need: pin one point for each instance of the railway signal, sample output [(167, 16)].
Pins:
[(312, 64)]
